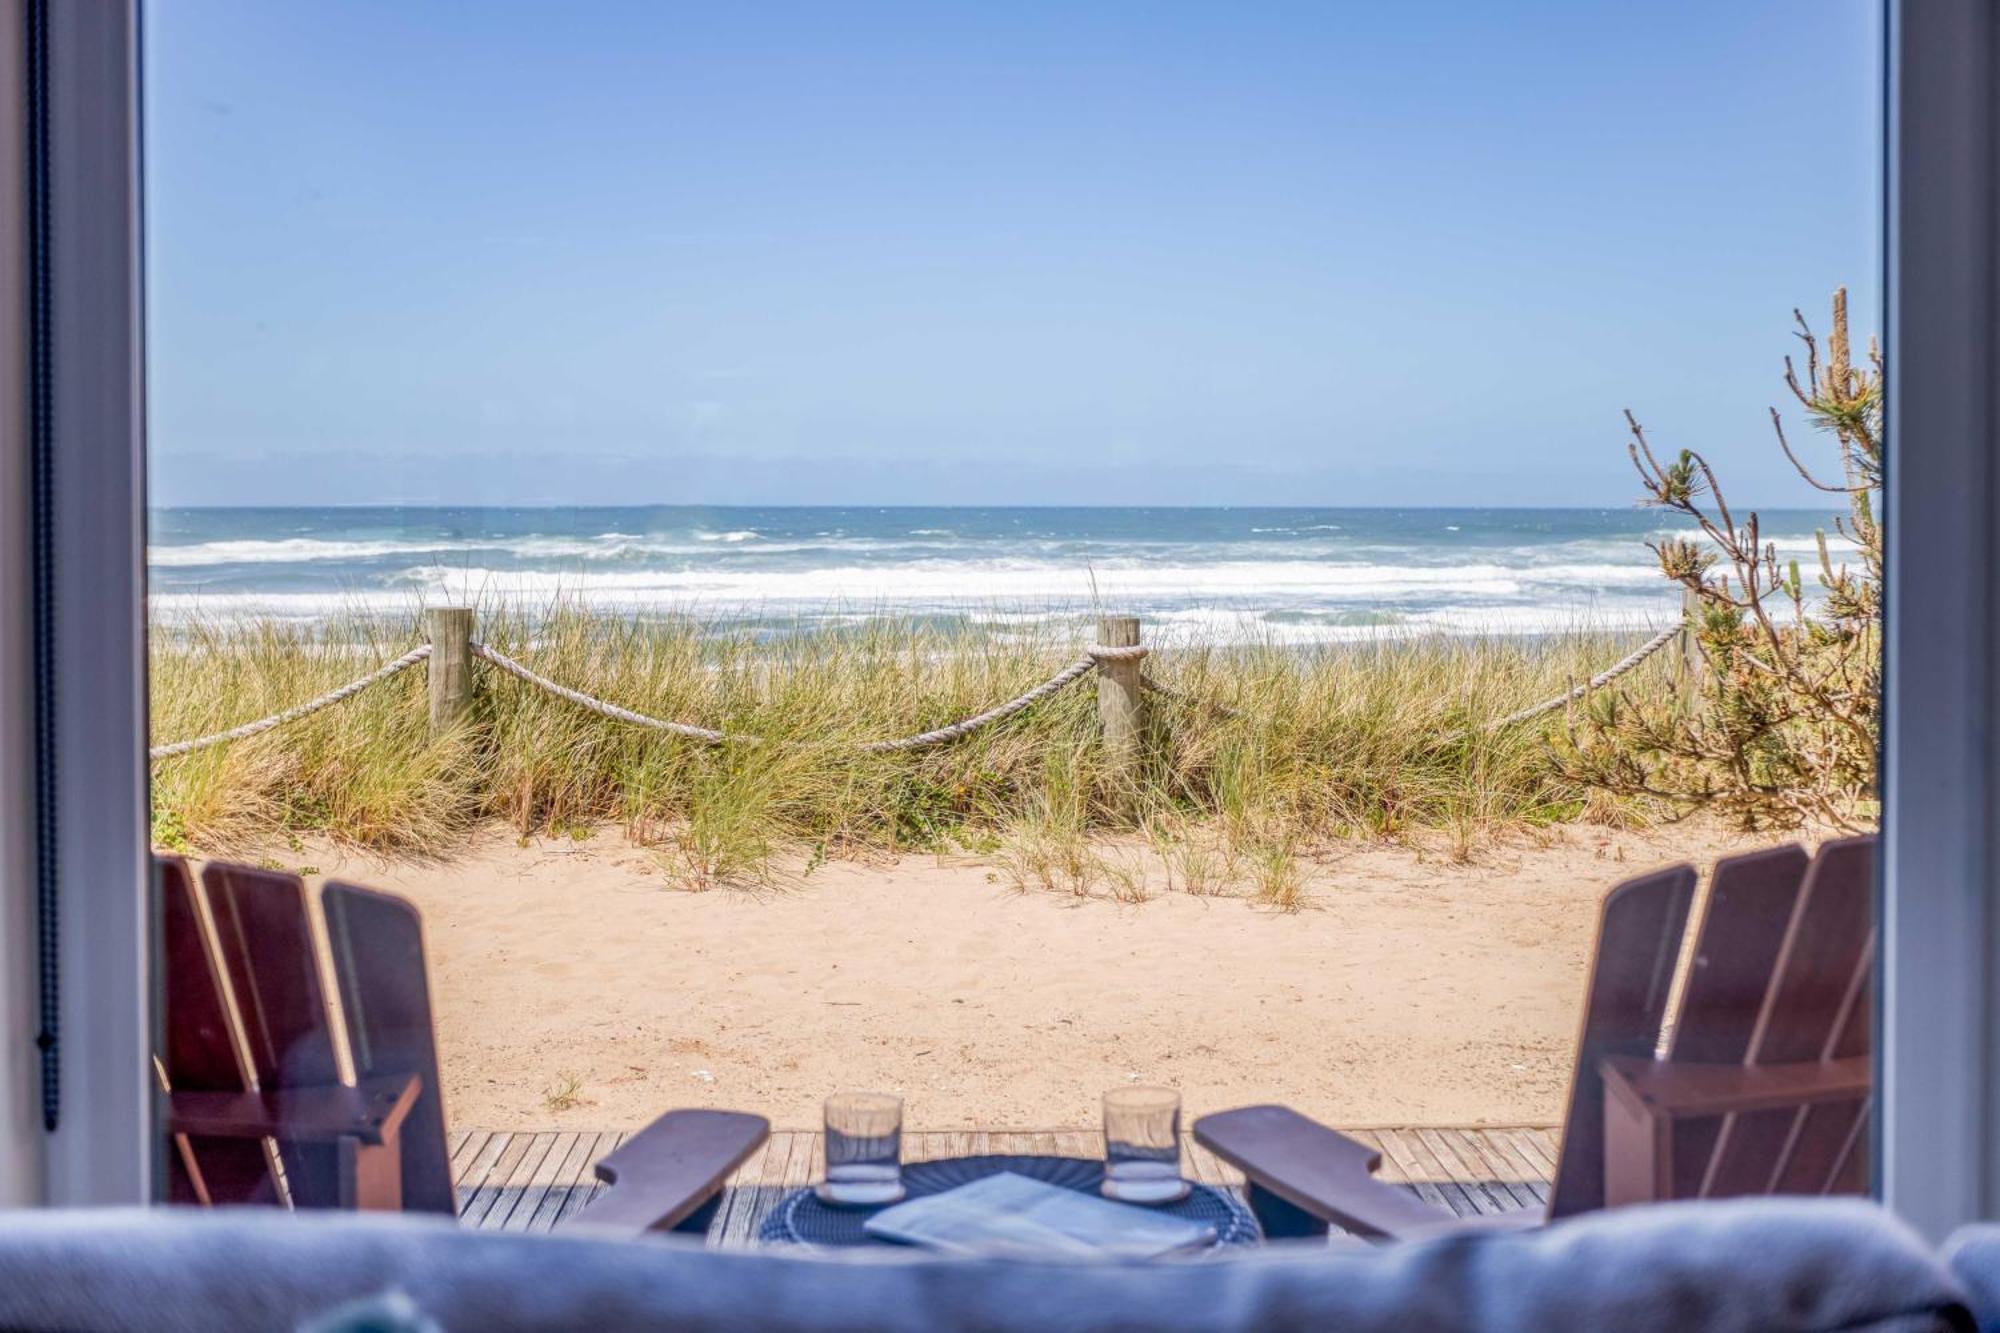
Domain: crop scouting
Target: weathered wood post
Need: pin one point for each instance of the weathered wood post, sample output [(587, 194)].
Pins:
[(1688, 662), (450, 665), (1121, 704)]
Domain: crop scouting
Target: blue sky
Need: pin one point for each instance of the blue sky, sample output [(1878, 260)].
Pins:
[(1075, 253)]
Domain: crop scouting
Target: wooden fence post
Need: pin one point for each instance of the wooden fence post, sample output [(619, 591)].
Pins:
[(450, 665), (1120, 703), (1688, 662)]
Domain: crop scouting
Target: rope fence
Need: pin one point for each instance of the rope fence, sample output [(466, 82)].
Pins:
[(1596, 682), (1119, 662), (1062, 680), (293, 714), (603, 709)]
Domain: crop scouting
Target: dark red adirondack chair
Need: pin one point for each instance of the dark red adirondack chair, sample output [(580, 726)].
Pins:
[(254, 1097), (1759, 1085)]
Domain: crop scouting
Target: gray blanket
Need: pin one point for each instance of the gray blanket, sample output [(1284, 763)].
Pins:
[(1974, 1256), (1765, 1265)]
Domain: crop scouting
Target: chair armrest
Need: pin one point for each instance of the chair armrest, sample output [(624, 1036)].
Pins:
[(1673, 1089), (1317, 1170), (666, 1171), (370, 1113)]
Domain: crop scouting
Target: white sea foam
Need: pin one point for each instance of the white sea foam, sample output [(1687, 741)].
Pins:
[(606, 546), (1794, 543), (284, 551), (1165, 625), (1276, 601), (1300, 583), (941, 582)]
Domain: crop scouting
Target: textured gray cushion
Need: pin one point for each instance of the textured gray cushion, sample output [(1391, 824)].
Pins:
[(1974, 1256), (1763, 1265)]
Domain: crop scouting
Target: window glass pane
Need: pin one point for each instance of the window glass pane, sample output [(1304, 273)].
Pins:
[(992, 555)]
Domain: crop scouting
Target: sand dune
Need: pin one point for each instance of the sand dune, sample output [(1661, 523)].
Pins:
[(1410, 991)]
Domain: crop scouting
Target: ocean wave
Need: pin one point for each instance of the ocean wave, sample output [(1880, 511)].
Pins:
[(1795, 542), (604, 547), (1198, 625), (1292, 579), (930, 582), (286, 550), (1166, 625), (1580, 559)]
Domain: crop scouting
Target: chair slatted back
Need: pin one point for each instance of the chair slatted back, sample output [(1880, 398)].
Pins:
[(200, 1053), (1744, 922), (1816, 1008), (251, 976), (1638, 945), (264, 935), (1779, 972), (377, 942)]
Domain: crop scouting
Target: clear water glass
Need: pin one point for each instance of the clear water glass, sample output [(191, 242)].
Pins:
[(864, 1148), (1142, 1145)]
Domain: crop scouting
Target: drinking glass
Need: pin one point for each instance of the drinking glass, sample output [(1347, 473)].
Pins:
[(1142, 1145), (864, 1148)]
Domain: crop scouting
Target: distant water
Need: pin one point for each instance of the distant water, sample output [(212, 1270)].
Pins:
[(1284, 575)]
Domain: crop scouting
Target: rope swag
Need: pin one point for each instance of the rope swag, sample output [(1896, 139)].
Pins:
[(1094, 657)]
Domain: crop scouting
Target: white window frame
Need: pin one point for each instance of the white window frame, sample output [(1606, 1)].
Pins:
[(21, 1177), (1940, 997), (73, 67), (1937, 1163)]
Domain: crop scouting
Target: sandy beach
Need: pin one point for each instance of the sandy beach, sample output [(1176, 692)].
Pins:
[(1408, 991)]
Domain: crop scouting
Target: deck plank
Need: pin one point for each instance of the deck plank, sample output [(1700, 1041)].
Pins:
[(1519, 1169), (588, 1186), (497, 1175), (1202, 1165), (732, 1213), (464, 1146), (525, 1180), (787, 1167), (753, 1200), (508, 1191), (1531, 1150), (1390, 1169), (540, 1182), (1466, 1158), (1075, 1143), (1426, 1178), (570, 1174), (467, 1147), (473, 1178)]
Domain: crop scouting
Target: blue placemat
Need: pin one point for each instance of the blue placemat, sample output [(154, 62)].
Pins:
[(800, 1217)]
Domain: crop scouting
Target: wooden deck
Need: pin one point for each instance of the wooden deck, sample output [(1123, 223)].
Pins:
[(528, 1181)]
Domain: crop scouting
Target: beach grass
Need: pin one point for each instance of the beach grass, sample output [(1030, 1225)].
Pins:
[(1272, 751)]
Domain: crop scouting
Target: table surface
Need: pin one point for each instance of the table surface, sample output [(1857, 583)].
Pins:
[(530, 1180), (801, 1218)]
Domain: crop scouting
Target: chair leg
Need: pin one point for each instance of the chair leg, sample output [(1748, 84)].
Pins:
[(1282, 1220), (371, 1176), (698, 1222), (1638, 1152)]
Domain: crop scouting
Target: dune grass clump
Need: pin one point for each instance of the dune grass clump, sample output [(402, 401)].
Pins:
[(366, 770), (1262, 754)]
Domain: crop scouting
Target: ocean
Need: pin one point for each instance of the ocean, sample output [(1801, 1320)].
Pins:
[(1234, 575)]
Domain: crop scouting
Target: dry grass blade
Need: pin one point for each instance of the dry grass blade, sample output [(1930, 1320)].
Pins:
[(1272, 750)]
